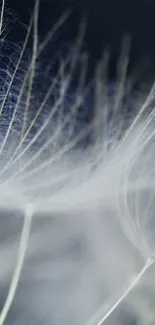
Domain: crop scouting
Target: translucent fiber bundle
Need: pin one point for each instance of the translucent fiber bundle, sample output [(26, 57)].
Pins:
[(77, 181)]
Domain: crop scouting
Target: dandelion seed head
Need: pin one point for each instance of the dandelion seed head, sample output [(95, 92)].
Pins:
[(77, 184)]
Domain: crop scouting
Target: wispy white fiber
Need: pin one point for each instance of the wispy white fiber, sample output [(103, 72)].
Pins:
[(79, 189)]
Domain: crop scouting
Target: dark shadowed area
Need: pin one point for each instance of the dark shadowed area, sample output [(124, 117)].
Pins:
[(107, 22)]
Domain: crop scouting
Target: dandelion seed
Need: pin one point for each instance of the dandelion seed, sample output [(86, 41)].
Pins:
[(84, 187)]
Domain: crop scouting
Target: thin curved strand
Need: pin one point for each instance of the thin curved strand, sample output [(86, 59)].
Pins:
[(97, 319), (53, 31), (33, 63), (20, 260), (2, 15)]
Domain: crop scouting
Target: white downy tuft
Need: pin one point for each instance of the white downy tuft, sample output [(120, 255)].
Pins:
[(89, 186)]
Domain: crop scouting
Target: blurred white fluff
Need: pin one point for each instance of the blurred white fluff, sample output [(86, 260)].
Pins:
[(89, 189)]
